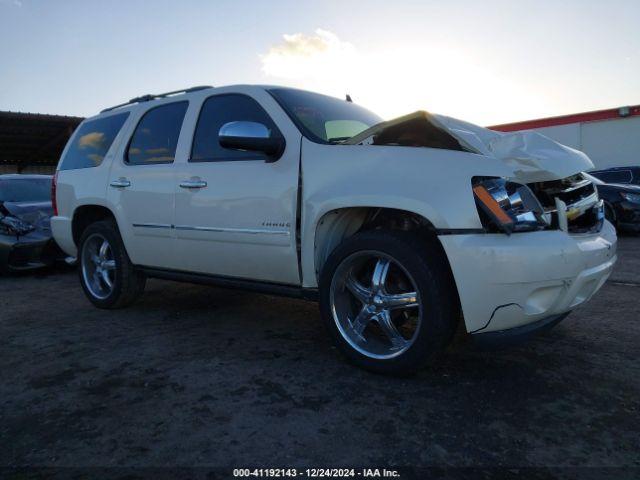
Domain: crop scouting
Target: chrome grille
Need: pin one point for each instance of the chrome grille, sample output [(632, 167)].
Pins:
[(583, 207)]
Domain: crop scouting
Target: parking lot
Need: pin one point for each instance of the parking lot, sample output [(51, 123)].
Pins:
[(198, 376)]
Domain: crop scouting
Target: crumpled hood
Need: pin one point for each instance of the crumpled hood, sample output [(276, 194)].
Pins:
[(531, 156), (37, 214)]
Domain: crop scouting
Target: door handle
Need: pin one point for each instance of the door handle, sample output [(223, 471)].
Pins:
[(193, 183), (120, 183)]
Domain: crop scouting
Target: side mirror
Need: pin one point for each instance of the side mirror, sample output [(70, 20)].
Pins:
[(253, 137)]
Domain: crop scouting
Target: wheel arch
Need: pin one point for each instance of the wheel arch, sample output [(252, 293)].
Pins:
[(334, 226), (85, 215)]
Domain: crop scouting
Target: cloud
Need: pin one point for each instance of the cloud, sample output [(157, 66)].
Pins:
[(155, 151), (91, 140), (95, 158), (402, 76), (306, 56)]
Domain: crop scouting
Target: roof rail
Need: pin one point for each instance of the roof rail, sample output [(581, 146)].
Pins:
[(150, 96)]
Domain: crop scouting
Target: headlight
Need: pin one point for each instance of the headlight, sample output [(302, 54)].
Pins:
[(14, 226), (508, 206), (631, 197)]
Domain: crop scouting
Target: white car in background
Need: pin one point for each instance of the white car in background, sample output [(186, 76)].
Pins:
[(398, 228)]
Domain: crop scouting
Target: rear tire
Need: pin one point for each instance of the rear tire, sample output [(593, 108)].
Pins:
[(107, 276), (398, 273)]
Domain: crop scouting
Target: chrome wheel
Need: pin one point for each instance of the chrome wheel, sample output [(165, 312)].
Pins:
[(98, 266), (375, 304)]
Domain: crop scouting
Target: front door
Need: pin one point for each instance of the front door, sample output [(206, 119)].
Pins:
[(235, 211)]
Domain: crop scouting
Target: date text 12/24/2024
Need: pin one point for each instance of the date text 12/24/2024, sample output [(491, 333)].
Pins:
[(316, 473)]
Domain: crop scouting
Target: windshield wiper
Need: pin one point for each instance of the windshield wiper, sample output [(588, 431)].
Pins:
[(337, 139)]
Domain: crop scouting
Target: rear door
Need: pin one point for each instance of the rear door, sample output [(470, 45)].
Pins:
[(142, 185), (241, 221)]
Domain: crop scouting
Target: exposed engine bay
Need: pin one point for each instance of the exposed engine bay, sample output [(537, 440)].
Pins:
[(576, 199), (413, 130)]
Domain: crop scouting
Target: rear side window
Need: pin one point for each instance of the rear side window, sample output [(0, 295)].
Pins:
[(92, 142), (221, 109), (156, 136)]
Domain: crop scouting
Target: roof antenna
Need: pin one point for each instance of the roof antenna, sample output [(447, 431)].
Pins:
[(348, 99)]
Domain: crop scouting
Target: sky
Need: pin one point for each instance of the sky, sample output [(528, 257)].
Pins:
[(487, 62)]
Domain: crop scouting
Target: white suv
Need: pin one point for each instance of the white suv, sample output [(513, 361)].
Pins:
[(397, 228)]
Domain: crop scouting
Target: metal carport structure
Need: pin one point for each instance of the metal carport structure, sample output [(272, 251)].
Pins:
[(33, 142)]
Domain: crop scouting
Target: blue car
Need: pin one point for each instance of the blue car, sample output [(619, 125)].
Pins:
[(619, 175), (621, 203)]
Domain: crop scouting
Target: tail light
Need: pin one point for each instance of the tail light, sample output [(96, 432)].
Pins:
[(54, 187)]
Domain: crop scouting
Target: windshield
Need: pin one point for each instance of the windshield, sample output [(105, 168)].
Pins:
[(25, 190), (322, 118)]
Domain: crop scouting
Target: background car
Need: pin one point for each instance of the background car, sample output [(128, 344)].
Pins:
[(25, 213), (621, 202), (619, 175)]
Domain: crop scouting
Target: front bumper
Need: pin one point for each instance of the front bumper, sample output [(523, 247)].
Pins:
[(517, 335), (27, 252), (510, 281)]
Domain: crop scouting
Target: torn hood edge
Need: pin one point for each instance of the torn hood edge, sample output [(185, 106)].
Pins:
[(531, 156)]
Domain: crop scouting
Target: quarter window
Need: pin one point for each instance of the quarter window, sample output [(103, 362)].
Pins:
[(92, 142), (156, 136), (221, 109)]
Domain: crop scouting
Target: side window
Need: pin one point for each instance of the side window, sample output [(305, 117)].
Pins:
[(156, 136), (624, 176), (221, 109), (604, 176), (92, 142)]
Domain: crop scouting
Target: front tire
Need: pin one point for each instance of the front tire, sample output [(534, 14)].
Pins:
[(389, 301), (107, 276)]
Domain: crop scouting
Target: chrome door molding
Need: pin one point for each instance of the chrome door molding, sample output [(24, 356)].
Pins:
[(250, 231), (152, 225)]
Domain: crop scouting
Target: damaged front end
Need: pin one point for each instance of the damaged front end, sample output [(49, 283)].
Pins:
[(545, 190), (572, 204), (25, 236)]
